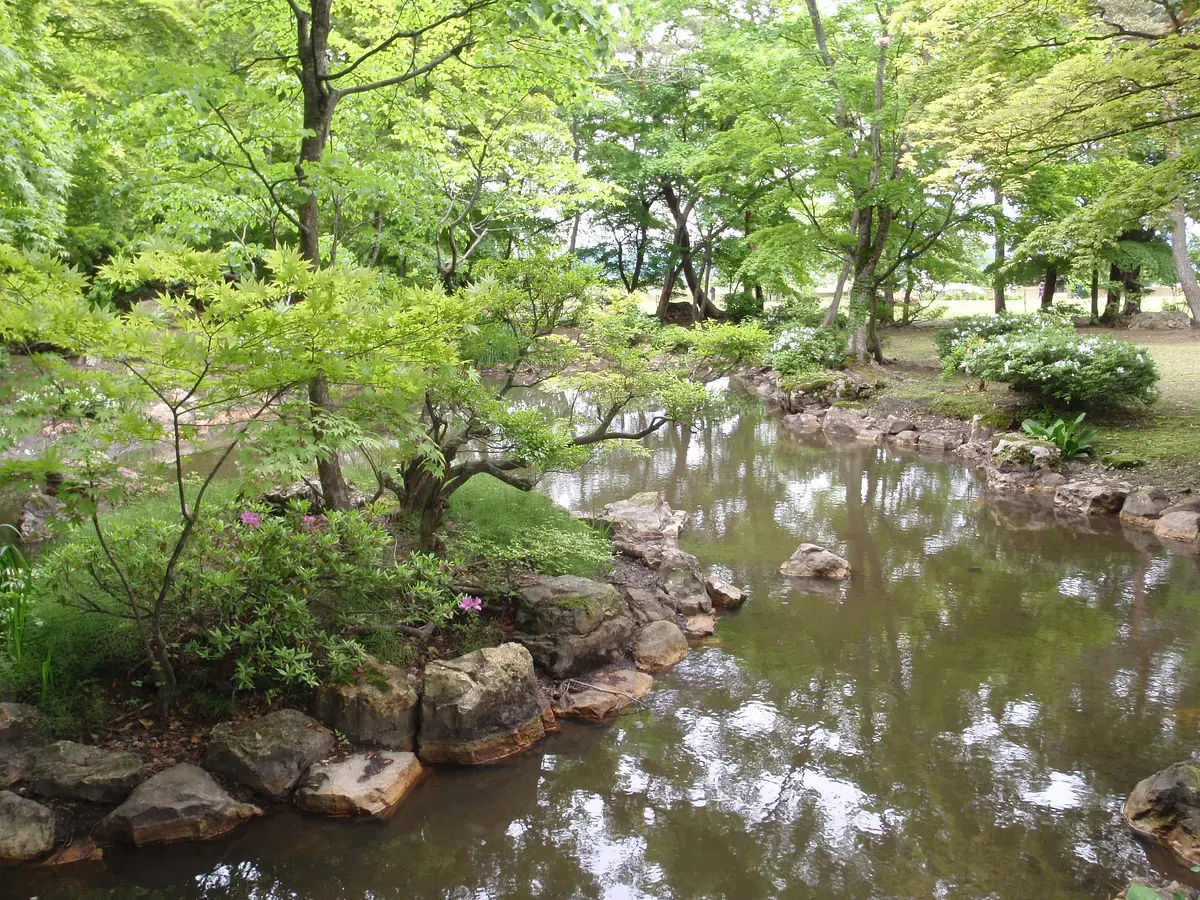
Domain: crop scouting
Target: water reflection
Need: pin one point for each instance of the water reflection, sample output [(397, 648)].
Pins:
[(961, 719)]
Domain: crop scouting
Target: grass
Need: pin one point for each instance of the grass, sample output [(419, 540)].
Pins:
[(1164, 438)]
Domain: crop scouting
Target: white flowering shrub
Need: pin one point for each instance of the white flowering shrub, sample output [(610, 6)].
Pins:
[(961, 333), (1064, 369), (802, 350)]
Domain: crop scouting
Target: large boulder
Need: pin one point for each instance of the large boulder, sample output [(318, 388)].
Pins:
[(18, 723), (659, 645), (571, 625), (1092, 497), (182, 803), (26, 829), (1179, 525), (1145, 505), (723, 594), (1164, 320), (847, 422), (73, 771), (378, 708), (811, 561), (644, 518), (270, 753), (1017, 453), (679, 576), (605, 694), (481, 707), (1166, 808), (364, 784), (16, 762), (647, 605), (940, 440)]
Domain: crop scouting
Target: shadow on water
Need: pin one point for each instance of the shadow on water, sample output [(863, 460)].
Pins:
[(962, 719)]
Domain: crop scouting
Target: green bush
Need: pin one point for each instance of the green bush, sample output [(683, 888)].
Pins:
[(742, 305), (965, 331), (1066, 370), (805, 310), (802, 350), (1072, 438)]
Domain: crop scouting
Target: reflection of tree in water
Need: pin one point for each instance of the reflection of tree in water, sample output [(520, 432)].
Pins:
[(961, 718)]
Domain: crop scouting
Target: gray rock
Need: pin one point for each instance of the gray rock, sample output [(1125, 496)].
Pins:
[(848, 422), (183, 803), (270, 753), (1145, 503), (18, 722), (972, 451), (811, 561), (297, 491), (16, 761), (940, 440), (73, 771), (1166, 808), (1028, 480), (646, 606), (723, 594), (571, 625), (1016, 453), (26, 829), (679, 577), (897, 424), (1183, 526), (37, 513), (907, 438), (363, 784), (378, 709), (659, 645), (801, 422), (870, 436), (1093, 497), (700, 626), (481, 707), (606, 694), (643, 517)]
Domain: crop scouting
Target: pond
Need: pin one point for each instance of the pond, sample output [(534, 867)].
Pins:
[(962, 719)]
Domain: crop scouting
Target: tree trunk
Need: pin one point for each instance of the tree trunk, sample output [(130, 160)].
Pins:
[(1184, 269), (998, 279), (1095, 293), (1112, 300), (832, 313), (335, 492), (887, 310), (1049, 286)]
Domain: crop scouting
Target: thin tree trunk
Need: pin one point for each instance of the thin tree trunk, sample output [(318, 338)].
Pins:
[(998, 279), (1095, 293), (1049, 286), (1184, 269), (832, 313)]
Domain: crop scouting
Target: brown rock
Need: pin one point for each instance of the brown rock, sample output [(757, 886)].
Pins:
[(84, 850), (907, 438), (378, 709), (605, 694), (723, 594), (811, 561), (659, 645), (365, 784), (897, 425), (1179, 526), (1166, 808), (269, 753), (702, 625), (1145, 503)]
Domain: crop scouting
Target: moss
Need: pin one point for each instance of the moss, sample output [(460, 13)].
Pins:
[(1120, 460), (376, 679), (572, 603), (849, 404)]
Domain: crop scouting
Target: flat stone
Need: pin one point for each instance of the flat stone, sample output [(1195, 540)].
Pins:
[(73, 771), (1166, 808), (870, 436), (659, 645), (364, 784), (1179, 526), (182, 803), (378, 709), (723, 594), (270, 753), (897, 425), (481, 707), (811, 561), (701, 625), (1145, 503), (610, 693), (1093, 497), (801, 422), (83, 850), (907, 438), (679, 576), (940, 440), (18, 722), (646, 605), (26, 829), (848, 422)]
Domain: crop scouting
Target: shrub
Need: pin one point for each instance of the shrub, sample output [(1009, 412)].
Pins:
[(804, 310), (742, 305), (962, 332), (802, 350), (1064, 369), (744, 344), (1072, 438)]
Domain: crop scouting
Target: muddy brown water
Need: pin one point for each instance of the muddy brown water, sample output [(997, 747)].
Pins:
[(962, 719)]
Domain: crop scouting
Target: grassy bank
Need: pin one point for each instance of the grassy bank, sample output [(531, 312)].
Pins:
[(1161, 442)]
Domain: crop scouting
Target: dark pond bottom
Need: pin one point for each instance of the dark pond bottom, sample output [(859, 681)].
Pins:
[(962, 719)]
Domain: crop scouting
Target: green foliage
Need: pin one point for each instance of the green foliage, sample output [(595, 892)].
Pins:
[(801, 350), (1066, 370), (1073, 438), (965, 331), (15, 582)]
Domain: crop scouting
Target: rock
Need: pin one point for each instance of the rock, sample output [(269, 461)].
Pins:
[(1179, 526), (26, 829), (1165, 320), (279, 498), (16, 760), (1037, 481), (84, 850), (379, 708), (1185, 506), (37, 512), (980, 433), (481, 707), (646, 606), (269, 753), (73, 771), (365, 784), (571, 624), (817, 411), (1015, 453), (811, 561), (1093, 497), (643, 517), (972, 451), (723, 594), (870, 436), (182, 803), (847, 422), (897, 424), (18, 722), (610, 693), (1166, 808), (702, 625), (907, 438), (659, 645), (802, 422), (940, 440), (679, 577)]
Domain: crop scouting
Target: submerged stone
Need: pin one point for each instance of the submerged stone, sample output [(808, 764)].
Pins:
[(604, 694), (364, 784), (724, 594)]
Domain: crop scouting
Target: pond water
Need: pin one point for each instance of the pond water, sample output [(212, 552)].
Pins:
[(962, 719)]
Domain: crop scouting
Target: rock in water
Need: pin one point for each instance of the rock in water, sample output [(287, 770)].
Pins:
[(183, 803), (659, 645), (646, 605), (1093, 497), (679, 576), (572, 625), (1179, 525), (702, 625), (365, 784), (269, 753), (724, 594), (608, 694), (846, 422), (379, 708), (1145, 503), (1166, 807), (26, 829), (481, 707), (644, 518), (78, 772), (811, 561)]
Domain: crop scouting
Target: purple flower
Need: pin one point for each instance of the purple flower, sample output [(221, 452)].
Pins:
[(308, 523), (470, 604), (252, 519)]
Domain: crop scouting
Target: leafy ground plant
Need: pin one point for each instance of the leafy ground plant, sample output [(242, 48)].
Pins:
[(1073, 438)]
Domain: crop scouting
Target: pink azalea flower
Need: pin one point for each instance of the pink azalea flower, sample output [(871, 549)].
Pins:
[(470, 604), (308, 523), (252, 519), (882, 41)]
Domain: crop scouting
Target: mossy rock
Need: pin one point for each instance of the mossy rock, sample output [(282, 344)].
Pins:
[(1125, 461)]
